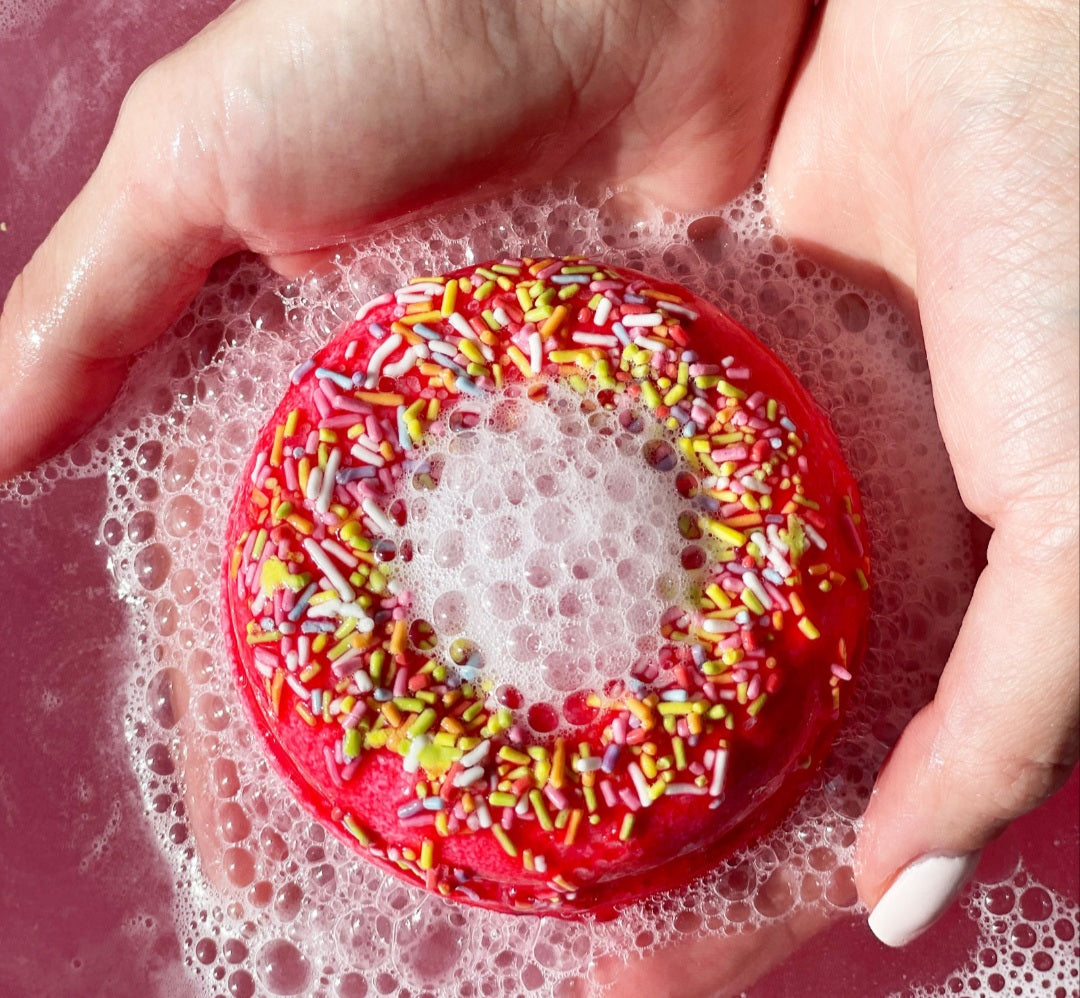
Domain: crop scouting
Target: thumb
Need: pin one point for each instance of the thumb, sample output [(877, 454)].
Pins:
[(116, 269)]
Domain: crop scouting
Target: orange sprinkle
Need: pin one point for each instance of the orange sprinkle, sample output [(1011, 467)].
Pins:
[(279, 445), (399, 637), (572, 826)]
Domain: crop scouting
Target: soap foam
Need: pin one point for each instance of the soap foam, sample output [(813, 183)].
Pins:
[(299, 912), (549, 548)]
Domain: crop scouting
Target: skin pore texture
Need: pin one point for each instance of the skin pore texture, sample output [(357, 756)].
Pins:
[(928, 146)]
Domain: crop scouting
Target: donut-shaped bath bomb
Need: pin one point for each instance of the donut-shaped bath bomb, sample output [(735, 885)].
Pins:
[(545, 585)]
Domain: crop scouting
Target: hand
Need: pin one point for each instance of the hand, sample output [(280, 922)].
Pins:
[(914, 141)]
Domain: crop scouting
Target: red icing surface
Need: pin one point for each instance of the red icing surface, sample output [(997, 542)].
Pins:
[(771, 750)]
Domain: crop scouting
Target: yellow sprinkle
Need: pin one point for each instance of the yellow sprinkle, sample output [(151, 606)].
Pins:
[(718, 596), (513, 755), (356, 830), (627, 828), (723, 532), (383, 398), (809, 629), (676, 394), (650, 395), (520, 360), (430, 315), (751, 602)]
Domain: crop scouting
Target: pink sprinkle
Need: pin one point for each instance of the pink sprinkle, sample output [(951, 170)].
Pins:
[(840, 672), (331, 767), (630, 799), (557, 797), (737, 452), (321, 397), (291, 481), (608, 793)]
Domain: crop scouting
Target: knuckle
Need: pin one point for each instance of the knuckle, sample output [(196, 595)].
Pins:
[(1021, 784)]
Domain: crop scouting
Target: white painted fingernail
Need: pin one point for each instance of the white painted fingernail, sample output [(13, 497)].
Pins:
[(922, 891)]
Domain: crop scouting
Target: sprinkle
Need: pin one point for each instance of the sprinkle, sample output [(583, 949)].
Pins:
[(716, 785), (342, 381), (646, 319), (504, 840), (329, 569)]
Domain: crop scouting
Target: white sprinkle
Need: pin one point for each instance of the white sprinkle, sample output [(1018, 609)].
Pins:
[(443, 348), (603, 310), (536, 352), (387, 347), (641, 785), (361, 453), (595, 339), (314, 484), (654, 345), (716, 787), (670, 306), (753, 583), (684, 788), (500, 316), (642, 319), (399, 367), (342, 555), (467, 777), (589, 765), (329, 569), (381, 519), (457, 320), (473, 756), (714, 625), (815, 537), (374, 304), (751, 483), (483, 815), (333, 462)]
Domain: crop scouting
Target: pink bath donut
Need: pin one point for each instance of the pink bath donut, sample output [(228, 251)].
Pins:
[(436, 772)]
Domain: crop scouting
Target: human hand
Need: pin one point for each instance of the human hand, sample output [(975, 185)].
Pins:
[(282, 132)]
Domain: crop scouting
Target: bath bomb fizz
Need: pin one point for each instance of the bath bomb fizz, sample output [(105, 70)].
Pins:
[(545, 585)]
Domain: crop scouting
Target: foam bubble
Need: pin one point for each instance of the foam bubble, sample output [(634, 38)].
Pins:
[(279, 906)]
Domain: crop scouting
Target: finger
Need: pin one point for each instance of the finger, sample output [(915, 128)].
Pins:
[(704, 965), (998, 739), (114, 271)]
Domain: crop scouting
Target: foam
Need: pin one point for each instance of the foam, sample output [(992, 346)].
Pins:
[(297, 911), (526, 546)]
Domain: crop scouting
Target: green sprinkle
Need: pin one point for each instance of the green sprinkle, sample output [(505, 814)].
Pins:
[(504, 840), (422, 723)]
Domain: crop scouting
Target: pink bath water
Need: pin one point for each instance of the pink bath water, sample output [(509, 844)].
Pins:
[(119, 718)]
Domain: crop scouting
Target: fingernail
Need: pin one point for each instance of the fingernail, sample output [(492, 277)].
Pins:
[(919, 895)]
